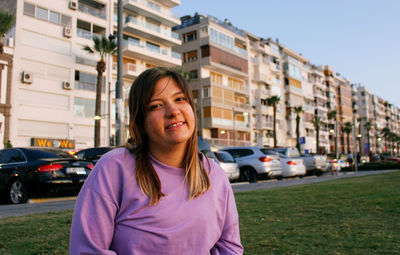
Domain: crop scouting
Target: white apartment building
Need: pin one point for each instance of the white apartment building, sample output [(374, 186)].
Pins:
[(54, 78)]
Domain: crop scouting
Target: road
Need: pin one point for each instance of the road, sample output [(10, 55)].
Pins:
[(68, 203)]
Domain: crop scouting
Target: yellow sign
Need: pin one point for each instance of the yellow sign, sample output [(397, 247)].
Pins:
[(53, 143)]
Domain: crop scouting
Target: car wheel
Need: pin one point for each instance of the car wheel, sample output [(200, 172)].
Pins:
[(17, 192), (248, 175)]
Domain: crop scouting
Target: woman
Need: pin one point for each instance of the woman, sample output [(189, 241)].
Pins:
[(158, 195)]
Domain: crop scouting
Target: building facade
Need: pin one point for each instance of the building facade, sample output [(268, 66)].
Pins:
[(54, 79)]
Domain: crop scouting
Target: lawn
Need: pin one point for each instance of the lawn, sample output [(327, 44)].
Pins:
[(358, 215)]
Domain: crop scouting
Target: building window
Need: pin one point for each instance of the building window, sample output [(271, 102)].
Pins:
[(188, 37), (46, 15), (41, 13), (216, 78), (153, 47), (29, 9), (86, 81), (193, 74), (189, 56), (206, 92), (84, 107), (54, 17)]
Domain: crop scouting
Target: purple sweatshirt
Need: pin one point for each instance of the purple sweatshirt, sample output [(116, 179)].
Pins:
[(112, 215)]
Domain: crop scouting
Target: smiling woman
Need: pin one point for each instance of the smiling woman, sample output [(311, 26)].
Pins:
[(150, 197)]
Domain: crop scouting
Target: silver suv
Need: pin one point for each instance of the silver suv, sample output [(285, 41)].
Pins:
[(255, 162)]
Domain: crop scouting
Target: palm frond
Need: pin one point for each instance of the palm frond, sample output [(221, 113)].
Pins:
[(6, 21)]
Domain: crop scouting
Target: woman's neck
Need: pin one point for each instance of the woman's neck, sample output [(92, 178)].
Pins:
[(172, 156)]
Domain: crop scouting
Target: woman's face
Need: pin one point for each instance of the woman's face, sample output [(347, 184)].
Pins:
[(169, 118)]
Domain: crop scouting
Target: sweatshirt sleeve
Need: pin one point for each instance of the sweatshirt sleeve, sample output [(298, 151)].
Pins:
[(229, 242), (92, 225)]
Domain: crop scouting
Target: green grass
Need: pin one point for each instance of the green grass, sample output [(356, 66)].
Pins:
[(348, 216)]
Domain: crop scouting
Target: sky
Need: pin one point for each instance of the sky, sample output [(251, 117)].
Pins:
[(359, 39)]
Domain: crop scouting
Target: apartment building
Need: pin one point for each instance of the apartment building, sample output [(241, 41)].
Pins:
[(54, 79), (266, 80), (215, 55), (6, 69)]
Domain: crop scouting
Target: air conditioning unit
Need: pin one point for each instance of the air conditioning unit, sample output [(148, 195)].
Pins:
[(73, 4), (67, 32), (27, 77), (66, 85)]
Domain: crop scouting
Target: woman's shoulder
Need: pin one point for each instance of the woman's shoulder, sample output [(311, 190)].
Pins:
[(215, 171), (113, 166)]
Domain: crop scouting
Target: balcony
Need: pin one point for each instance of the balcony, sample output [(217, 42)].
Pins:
[(261, 77), (222, 102), (154, 11), (264, 125), (170, 3), (207, 62), (82, 33), (129, 70), (220, 142), (213, 122), (97, 12), (150, 31), (207, 81), (151, 54)]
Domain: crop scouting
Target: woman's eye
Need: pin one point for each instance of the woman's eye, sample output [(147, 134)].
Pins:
[(179, 99), (154, 107)]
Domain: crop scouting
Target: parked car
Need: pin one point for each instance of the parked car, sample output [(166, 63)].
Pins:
[(315, 164), (228, 163), (92, 154), (292, 163), (255, 162), (28, 171), (337, 165)]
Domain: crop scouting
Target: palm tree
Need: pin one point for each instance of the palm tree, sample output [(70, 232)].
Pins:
[(298, 110), (368, 126), (103, 46), (348, 127), (386, 134), (332, 116), (273, 101), (6, 22), (359, 120), (317, 124)]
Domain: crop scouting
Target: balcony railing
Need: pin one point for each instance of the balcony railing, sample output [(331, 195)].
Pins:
[(92, 11), (156, 7), (86, 34), (152, 48), (152, 27), (220, 142)]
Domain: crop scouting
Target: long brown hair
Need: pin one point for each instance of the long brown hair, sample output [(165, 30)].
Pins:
[(139, 97)]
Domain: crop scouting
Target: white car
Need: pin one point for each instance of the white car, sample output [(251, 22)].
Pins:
[(255, 162), (292, 164), (228, 163)]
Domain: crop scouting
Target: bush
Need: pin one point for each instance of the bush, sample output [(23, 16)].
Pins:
[(374, 166)]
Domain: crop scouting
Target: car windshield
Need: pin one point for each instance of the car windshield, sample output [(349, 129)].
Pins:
[(48, 153), (224, 157)]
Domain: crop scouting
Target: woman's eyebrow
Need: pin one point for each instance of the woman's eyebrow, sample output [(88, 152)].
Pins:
[(156, 98)]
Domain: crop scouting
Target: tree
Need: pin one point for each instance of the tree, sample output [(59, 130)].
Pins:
[(273, 101), (317, 124), (368, 126), (6, 22), (104, 47), (386, 134), (298, 110), (347, 128), (332, 116)]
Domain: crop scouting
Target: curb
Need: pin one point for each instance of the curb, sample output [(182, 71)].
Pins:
[(50, 199)]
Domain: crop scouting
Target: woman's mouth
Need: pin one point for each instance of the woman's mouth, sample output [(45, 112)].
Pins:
[(174, 125)]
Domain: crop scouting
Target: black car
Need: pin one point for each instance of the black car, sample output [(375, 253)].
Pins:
[(92, 154), (28, 171)]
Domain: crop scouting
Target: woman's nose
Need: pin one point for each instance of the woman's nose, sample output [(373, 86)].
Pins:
[(172, 110)]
